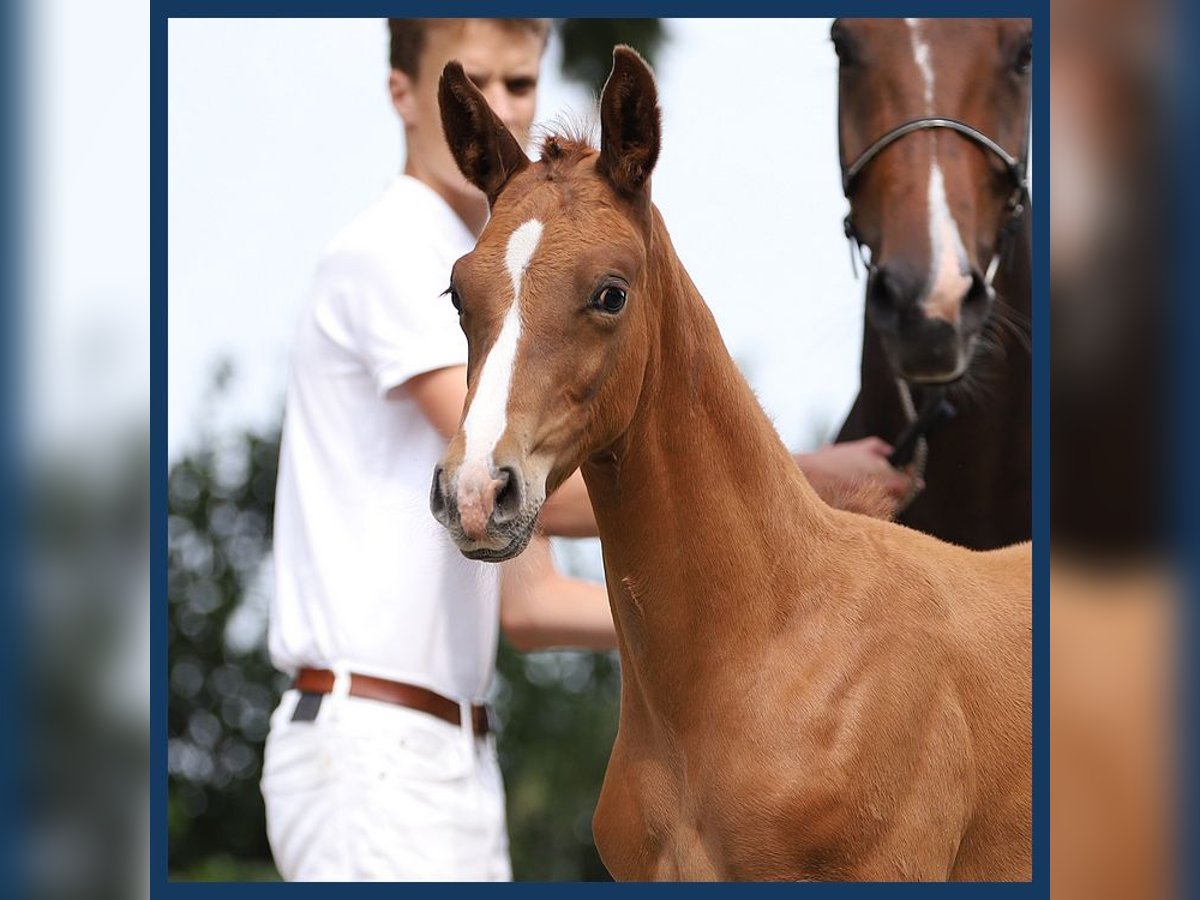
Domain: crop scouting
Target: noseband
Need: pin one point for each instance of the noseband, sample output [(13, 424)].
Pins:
[(1018, 172)]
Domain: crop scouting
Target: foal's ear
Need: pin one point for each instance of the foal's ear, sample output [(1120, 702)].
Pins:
[(630, 123), (485, 150)]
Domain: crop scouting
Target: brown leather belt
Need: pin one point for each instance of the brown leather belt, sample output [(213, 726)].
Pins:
[(320, 681)]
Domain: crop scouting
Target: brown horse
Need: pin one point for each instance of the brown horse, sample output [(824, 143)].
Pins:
[(806, 693), (933, 128)]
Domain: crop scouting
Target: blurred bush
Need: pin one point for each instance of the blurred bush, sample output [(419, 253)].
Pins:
[(221, 685), (588, 46), (84, 702), (559, 718)]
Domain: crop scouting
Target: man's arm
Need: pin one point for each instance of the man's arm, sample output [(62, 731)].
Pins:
[(441, 395), (540, 609), (856, 476)]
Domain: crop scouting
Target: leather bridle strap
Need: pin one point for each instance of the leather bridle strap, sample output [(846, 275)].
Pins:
[(1016, 167), (1018, 171)]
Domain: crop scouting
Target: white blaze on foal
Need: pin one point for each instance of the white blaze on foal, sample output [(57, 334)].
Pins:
[(487, 417), (949, 278)]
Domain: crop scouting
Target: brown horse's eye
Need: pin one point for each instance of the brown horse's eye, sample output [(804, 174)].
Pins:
[(609, 299)]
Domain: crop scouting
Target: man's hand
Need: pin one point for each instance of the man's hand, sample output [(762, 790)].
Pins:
[(856, 476)]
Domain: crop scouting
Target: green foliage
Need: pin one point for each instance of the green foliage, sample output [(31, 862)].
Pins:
[(558, 711), (559, 717), (81, 728), (221, 685), (588, 45)]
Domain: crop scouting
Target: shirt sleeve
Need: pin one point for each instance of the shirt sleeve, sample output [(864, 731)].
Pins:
[(394, 318)]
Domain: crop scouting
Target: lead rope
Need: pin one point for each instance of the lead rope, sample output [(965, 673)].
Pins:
[(920, 452)]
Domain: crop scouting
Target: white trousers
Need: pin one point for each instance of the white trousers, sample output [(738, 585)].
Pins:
[(370, 791)]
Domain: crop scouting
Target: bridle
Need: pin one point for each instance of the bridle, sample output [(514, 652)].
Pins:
[(1018, 172), (937, 409)]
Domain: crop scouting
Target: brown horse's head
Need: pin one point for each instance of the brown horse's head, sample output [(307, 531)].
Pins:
[(553, 302), (932, 204)]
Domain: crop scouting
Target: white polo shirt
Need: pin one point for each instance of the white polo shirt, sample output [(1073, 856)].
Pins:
[(365, 578)]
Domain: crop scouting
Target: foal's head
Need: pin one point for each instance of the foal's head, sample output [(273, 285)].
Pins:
[(931, 205), (553, 303)]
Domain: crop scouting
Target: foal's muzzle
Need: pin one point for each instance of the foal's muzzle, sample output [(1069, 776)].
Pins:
[(485, 512)]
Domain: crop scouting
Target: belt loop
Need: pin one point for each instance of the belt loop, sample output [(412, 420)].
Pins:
[(466, 722), (340, 689)]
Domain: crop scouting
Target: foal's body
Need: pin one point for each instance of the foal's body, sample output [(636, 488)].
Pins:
[(838, 698), (806, 694)]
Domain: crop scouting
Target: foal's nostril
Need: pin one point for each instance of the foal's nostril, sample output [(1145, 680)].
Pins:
[(508, 497), (437, 497)]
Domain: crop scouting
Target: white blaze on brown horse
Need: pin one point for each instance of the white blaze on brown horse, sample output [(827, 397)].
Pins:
[(806, 693)]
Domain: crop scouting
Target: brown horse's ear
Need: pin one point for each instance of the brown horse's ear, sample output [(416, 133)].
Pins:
[(630, 123), (485, 150)]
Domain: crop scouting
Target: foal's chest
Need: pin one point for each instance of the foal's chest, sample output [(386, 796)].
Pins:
[(641, 844), (654, 825)]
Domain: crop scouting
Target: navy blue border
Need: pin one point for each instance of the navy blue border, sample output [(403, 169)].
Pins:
[(14, 202), (158, 447), (1183, 435), (1040, 155), (161, 10), (1038, 10)]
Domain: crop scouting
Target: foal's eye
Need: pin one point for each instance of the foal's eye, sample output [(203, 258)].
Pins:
[(1024, 60), (609, 299), (453, 298)]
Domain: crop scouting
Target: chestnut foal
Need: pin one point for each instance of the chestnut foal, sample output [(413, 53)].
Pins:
[(806, 693)]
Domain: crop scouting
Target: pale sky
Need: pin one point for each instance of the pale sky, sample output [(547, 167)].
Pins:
[(280, 131)]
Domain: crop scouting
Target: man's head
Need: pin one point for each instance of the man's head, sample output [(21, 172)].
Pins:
[(502, 57)]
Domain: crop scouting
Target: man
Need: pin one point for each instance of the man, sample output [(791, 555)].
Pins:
[(387, 769), (380, 763)]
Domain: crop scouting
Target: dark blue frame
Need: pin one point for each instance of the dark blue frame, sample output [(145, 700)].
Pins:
[(1182, 135), (161, 10), (13, 396)]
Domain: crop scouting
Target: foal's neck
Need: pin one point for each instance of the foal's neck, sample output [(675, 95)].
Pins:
[(706, 522)]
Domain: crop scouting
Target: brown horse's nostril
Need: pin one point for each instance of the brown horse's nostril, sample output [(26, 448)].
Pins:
[(508, 496), (976, 302), (890, 293), (437, 497)]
